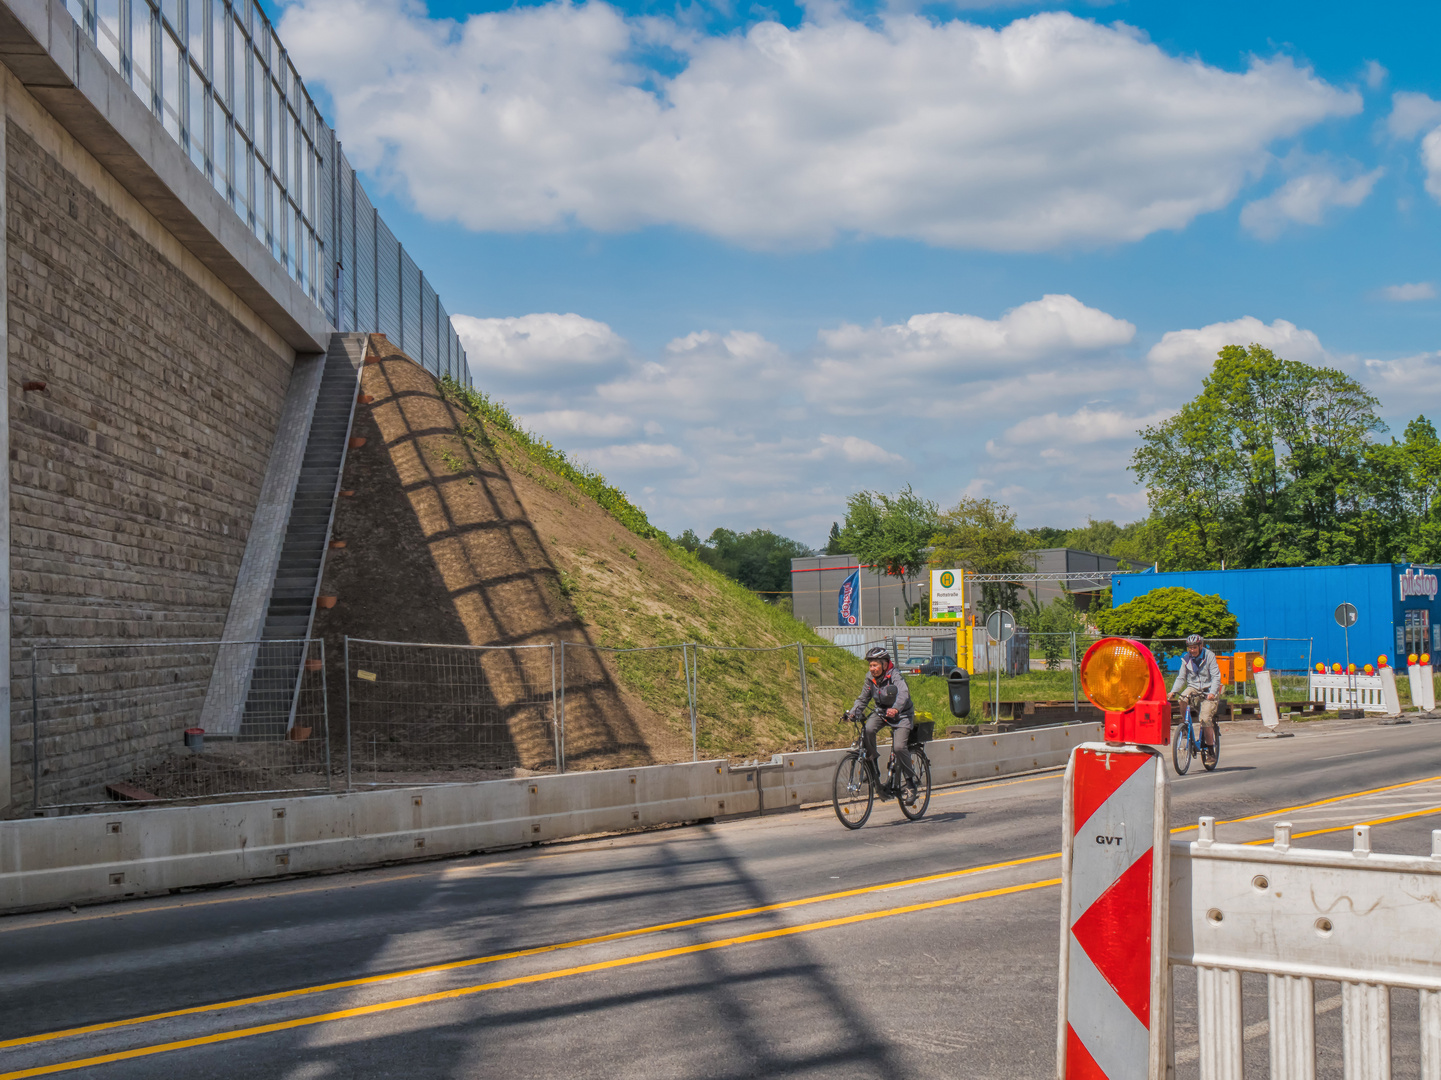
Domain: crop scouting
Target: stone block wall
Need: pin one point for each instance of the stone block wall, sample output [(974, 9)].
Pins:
[(134, 473)]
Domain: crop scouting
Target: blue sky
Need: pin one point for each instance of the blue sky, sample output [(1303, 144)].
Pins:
[(749, 261)]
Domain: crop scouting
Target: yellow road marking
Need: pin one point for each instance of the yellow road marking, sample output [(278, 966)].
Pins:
[(520, 980), (453, 965), (1348, 828), (659, 927), (1311, 805)]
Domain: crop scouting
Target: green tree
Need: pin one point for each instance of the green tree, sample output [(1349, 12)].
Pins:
[(759, 559), (833, 542), (1265, 467), (1168, 613), (1043, 536), (981, 535), (892, 532)]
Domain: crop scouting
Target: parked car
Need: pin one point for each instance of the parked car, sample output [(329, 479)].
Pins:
[(932, 665)]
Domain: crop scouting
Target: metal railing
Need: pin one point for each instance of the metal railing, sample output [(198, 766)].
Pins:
[(1299, 918), (217, 77), (121, 721)]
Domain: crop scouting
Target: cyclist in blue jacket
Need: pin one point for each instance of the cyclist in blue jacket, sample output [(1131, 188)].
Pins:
[(1199, 683)]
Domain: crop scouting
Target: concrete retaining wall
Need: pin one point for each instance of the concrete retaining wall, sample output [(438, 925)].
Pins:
[(48, 862)]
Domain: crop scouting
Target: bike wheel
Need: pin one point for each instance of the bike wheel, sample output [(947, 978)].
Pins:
[(923, 788), (852, 792), (1181, 749), (1211, 755)]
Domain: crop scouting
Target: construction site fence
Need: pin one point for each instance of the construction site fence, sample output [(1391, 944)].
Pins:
[(136, 723), (109, 722)]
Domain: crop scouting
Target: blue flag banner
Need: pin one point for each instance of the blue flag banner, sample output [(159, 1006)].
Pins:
[(848, 600)]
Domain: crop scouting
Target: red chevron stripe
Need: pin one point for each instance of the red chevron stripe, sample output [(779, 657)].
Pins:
[(1080, 1065), (1115, 931), (1098, 774)]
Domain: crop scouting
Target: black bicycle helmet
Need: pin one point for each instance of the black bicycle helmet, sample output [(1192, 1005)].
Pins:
[(876, 652)]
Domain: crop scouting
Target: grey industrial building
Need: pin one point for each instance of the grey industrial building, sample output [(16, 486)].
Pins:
[(816, 580)]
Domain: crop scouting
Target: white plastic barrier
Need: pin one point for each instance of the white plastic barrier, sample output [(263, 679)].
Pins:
[(1366, 920), (53, 861), (1364, 692)]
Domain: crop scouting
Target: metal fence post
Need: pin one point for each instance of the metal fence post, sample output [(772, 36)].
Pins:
[(691, 677), (562, 702), (805, 696), (348, 769), (1075, 677), (554, 714), (325, 712), (34, 730)]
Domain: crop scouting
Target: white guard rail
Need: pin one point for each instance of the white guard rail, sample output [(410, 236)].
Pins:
[(1365, 692), (47, 862), (1368, 921)]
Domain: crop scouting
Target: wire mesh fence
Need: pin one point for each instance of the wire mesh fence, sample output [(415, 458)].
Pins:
[(417, 714), (750, 702), (169, 721)]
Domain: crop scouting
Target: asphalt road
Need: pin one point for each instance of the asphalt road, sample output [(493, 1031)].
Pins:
[(781, 946)]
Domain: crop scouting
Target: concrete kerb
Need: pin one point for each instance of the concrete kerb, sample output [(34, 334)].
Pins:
[(50, 862)]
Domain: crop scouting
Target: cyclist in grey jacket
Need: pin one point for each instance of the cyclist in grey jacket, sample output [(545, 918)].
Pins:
[(1199, 682), (885, 686)]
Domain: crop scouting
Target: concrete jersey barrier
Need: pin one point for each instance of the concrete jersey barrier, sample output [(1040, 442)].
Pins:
[(49, 862)]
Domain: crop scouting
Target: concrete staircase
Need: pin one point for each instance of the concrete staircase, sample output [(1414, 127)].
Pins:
[(275, 679)]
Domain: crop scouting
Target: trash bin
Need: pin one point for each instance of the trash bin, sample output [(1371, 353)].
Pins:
[(958, 683)]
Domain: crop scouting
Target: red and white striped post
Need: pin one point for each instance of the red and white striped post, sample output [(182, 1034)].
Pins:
[(1115, 865)]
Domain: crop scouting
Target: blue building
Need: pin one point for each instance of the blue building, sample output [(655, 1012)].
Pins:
[(1398, 611)]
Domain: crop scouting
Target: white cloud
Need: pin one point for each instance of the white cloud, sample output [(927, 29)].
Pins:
[(1375, 75), (1431, 161), (634, 456), (537, 344), (1053, 324), (1420, 290), (1192, 352), (558, 423), (1048, 132), (942, 361), (1085, 425), (1405, 386), (1039, 407), (1411, 114), (702, 376), (855, 450), (1304, 200)]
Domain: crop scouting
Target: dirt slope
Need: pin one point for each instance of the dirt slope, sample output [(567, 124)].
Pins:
[(457, 533)]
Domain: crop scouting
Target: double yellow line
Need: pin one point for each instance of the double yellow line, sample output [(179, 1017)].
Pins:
[(500, 984), (604, 965)]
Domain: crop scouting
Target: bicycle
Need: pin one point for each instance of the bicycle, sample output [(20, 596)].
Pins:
[(857, 780), (1189, 743)]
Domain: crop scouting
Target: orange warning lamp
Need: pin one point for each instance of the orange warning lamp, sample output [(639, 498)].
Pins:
[(1122, 679), (1335, 669), (1425, 658), (1320, 669), (1369, 670), (1382, 661), (1258, 664), (1411, 659), (1350, 669)]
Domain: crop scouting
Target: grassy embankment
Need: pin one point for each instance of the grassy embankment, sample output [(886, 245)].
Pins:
[(634, 588)]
